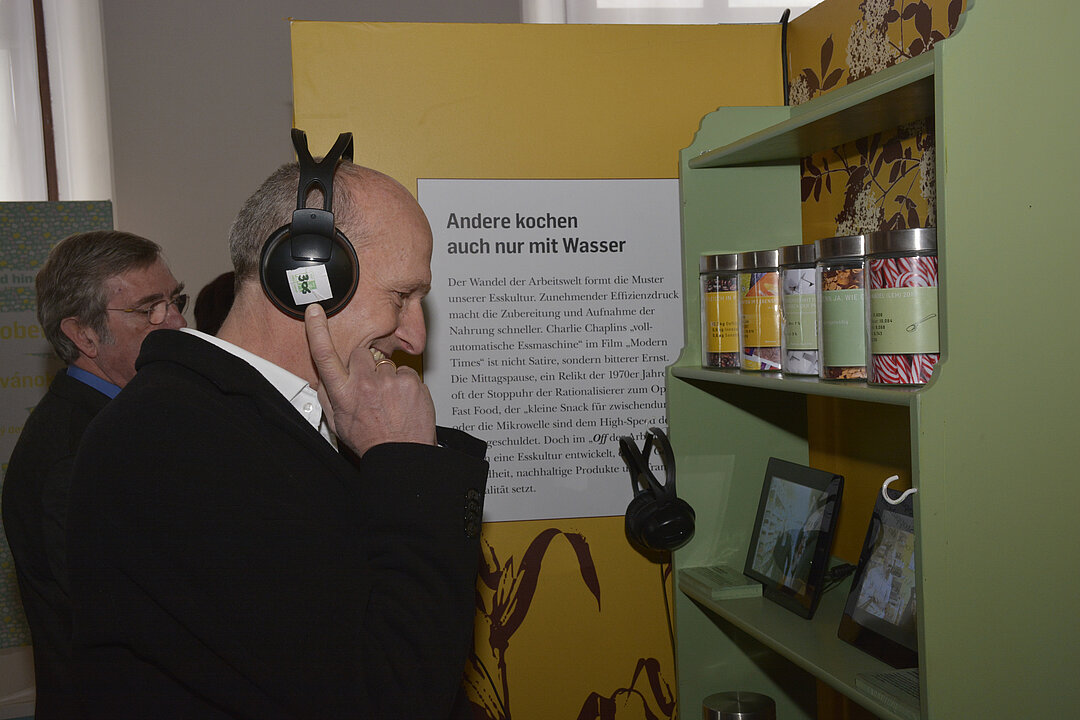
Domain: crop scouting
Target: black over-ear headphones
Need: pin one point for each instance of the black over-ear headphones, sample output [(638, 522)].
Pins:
[(309, 260), (656, 518)]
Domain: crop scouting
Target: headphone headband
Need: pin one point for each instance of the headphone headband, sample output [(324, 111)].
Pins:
[(310, 260), (637, 462), (319, 173)]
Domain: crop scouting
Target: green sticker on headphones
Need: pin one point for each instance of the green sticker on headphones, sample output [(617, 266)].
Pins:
[(309, 284)]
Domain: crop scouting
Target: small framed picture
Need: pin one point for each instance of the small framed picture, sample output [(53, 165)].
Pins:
[(879, 617), (793, 534)]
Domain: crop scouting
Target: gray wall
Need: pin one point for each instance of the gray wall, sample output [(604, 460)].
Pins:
[(200, 103)]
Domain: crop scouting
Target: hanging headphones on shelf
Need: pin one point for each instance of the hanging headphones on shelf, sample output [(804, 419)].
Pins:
[(310, 260), (656, 519)]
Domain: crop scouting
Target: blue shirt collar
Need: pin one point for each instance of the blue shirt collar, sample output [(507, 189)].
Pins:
[(103, 386)]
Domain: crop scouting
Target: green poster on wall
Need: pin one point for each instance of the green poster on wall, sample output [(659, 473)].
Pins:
[(28, 230)]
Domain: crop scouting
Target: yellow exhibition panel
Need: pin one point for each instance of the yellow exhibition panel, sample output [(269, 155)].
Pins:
[(540, 102)]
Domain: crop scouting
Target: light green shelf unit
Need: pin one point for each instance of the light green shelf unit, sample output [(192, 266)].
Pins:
[(994, 437)]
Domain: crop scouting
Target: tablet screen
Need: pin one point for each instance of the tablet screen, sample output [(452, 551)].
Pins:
[(880, 614), (793, 531)]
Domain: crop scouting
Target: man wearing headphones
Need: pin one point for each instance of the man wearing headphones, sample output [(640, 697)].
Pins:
[(269, 524), (98, 295)]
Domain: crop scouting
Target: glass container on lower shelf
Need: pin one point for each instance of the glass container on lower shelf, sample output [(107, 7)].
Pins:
[(841, 289), (719, 277), (902, 306), (759, 310), (799, 341)]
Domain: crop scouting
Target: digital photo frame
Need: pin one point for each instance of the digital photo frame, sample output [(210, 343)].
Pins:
[(793, 534), (879, 617)]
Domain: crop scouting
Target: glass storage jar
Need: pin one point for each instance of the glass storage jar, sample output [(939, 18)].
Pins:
[(719, 277), (759, 310), (841, 307), (902, 306), (799, 341)]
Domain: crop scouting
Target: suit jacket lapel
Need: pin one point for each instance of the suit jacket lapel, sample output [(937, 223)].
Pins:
[(235, 376)]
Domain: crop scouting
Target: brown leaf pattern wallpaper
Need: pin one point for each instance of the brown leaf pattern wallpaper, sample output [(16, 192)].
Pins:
[(885, 181)]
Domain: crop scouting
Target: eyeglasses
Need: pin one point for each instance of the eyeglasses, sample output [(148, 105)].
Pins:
[(156, 313)]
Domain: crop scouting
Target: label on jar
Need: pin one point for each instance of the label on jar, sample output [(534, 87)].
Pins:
[(760, 309), (722, 322), (904, 320), (843, 327), (800, 309), (759, 305)]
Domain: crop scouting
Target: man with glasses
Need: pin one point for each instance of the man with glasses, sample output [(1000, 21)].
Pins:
[(99, 294)]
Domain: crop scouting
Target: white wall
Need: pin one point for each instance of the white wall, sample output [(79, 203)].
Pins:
[(200, 104)]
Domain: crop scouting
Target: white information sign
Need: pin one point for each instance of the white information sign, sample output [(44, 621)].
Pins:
[(555, 307)]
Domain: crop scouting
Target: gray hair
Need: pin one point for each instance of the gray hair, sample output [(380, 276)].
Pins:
[(71, 283), (271, 207)]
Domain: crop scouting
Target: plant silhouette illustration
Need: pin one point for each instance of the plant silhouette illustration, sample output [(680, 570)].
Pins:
[(513, 586), (649, 697)]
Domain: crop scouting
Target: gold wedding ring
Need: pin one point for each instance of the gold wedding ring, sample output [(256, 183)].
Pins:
[(387, 361)]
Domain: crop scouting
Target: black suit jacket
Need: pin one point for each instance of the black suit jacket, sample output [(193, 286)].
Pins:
[(34, 504), (226, 561)]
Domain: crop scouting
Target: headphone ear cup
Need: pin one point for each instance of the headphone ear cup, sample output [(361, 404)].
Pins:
[(672, 525), (278, 273), (638, 508), (659, 523)]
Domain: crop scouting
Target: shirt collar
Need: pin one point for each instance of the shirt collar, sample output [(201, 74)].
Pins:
[(297, 391), (101, 385)]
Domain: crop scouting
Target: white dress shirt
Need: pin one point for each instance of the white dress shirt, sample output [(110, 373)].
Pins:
[(295, 389)]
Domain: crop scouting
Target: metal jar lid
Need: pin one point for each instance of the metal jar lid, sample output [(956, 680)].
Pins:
[(738, 705), (841, 247), (759, 260), (717, 263), (912, 240), (798, 255)]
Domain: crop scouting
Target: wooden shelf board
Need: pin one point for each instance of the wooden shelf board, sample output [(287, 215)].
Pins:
[(895, 96), (811, 644), (802, 384)]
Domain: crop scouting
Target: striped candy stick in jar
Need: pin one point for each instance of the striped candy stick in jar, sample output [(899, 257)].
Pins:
[(903, 272)]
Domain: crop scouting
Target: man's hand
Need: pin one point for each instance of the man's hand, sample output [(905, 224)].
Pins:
[(367, 403)]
